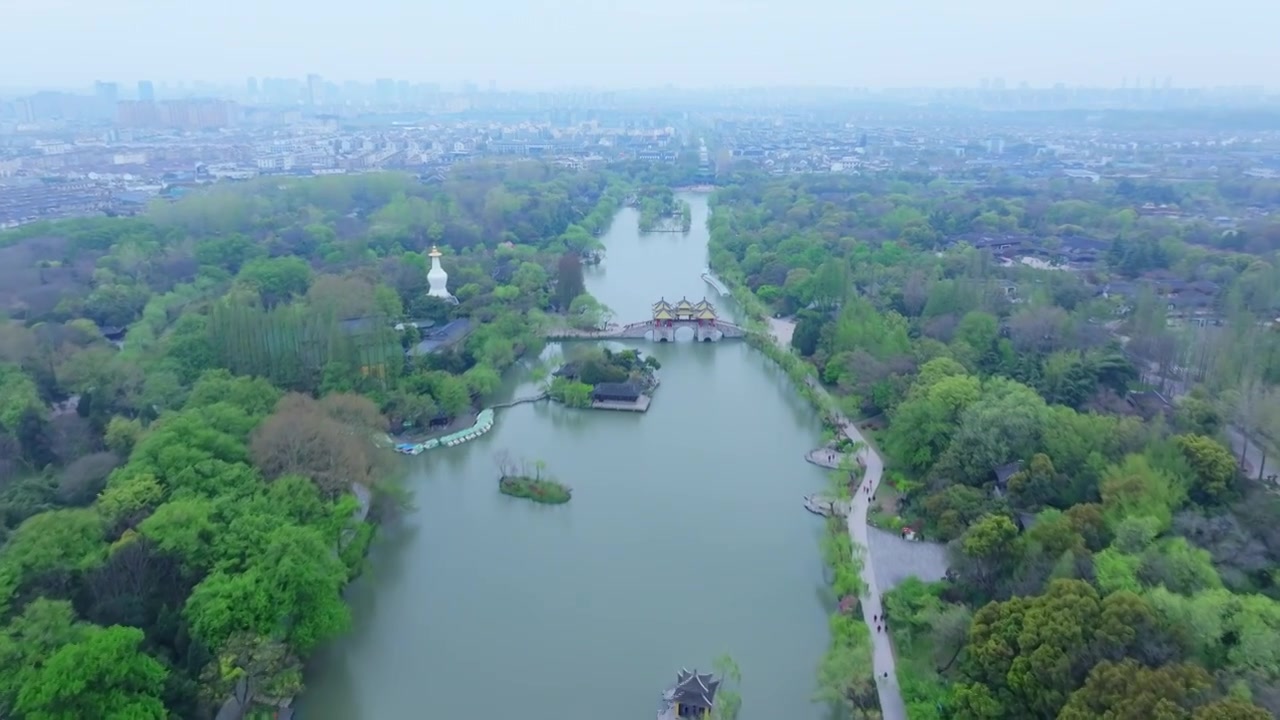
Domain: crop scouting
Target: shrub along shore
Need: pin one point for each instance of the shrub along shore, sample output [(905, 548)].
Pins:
[(845, 676)]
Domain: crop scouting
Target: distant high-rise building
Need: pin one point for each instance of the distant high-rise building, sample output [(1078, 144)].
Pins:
[(315, 89), (106, 91), (185, 114), (385, 91), (137, 114), (146, 91), (252, 87), (195, 114), (105, 95)]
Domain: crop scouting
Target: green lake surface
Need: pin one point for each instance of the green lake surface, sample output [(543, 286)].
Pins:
[(685, 539)]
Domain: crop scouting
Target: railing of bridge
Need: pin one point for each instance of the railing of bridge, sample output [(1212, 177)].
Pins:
[(638, 329), (728, 327), (685, 323)]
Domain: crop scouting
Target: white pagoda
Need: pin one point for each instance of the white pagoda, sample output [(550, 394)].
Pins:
[(438, 279)]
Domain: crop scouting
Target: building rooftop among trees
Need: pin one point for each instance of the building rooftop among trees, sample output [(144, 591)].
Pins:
[(616, 392), (443, 337)]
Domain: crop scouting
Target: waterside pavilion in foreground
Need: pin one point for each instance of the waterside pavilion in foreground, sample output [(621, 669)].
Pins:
[(693, 696)]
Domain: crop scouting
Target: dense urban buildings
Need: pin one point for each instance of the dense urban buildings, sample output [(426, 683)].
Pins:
[(108, 150)]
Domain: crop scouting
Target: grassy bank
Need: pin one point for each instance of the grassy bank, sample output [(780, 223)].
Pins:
[(759, 336), (846, 677), (918, 618), (548, 492)]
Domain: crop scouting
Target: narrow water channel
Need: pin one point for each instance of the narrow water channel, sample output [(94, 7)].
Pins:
[(685, 539)]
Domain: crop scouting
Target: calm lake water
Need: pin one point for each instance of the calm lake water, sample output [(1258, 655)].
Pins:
[(685, 540)]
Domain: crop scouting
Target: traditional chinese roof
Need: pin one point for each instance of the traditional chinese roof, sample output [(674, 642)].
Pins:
[(569, 370), (706, 314), (684, 306), (695, 689), (662, 314), (435, 252), (624, 392), (703, 305), (1006, 471)]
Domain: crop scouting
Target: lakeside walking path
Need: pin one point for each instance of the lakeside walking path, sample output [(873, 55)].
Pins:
[(892, 706)]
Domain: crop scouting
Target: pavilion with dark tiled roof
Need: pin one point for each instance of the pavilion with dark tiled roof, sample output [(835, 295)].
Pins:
[(1006, 471), (694, 694)]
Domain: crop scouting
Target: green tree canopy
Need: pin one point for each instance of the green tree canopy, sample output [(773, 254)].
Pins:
[(102, 674)]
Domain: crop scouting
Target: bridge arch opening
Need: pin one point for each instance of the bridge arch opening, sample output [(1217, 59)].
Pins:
[(684, 332)]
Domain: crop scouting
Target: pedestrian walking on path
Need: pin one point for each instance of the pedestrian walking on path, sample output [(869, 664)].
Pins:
[(892, 706)]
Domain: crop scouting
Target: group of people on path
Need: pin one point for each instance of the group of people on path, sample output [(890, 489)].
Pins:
[(882, 623)]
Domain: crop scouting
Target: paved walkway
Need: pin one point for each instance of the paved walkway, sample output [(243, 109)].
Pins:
[(891, 705), (826, 457), (782, 329), (899, 558), (1255, 460)]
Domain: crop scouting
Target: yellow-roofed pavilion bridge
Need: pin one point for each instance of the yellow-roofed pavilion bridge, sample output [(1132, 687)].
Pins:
[(700, 317), (668, 320)]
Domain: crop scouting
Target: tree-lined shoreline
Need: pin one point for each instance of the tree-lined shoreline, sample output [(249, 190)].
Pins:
[(1005, 437), (193, 478)]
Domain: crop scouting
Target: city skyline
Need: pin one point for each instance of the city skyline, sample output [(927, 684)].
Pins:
[(549, 44), (147, 88)]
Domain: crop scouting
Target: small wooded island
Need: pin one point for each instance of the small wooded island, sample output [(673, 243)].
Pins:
[(527, 480), (607, 380), (662, 211)]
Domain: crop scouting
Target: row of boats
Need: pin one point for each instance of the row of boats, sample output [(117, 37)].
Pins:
[(483, 424)]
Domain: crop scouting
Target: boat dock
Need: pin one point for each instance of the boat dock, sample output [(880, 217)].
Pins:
[(826, 507), (831, 459), (484, 423)]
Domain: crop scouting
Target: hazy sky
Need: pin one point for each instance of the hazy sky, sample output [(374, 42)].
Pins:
[(692, 43)]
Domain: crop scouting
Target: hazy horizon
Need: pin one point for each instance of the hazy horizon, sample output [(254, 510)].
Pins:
[(543, 44)]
